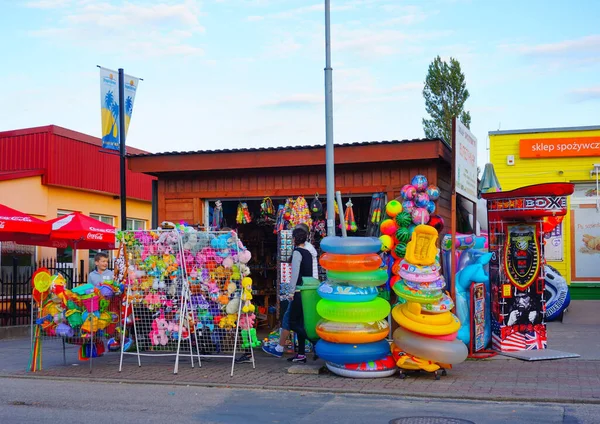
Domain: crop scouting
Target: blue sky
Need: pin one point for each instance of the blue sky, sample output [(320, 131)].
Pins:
[(247, 73)]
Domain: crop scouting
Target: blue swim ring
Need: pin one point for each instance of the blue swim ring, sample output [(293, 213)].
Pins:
[(342, 353), (351, 245)]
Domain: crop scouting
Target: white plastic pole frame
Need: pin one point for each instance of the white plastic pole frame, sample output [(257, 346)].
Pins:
[(338, 195)]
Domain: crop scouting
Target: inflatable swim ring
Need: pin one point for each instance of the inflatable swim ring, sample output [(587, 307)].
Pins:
[(385, 367), (436, 285), (344, 293), (447, 337), (448, 352), (557, 293), (343, 353), (419, 274), (352, 332), (352, 263), (404, 314), (360, 279), (445, 304), (371, 311), (412, 295), (351, 245), (462, 242)]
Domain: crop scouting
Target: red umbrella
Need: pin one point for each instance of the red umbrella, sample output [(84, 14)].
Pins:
[(21, 228), (81, 232)]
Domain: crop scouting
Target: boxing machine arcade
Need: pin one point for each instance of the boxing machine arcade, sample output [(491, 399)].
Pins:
[(517, 221)]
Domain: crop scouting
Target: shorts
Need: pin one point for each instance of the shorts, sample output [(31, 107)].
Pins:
[(285, 322)]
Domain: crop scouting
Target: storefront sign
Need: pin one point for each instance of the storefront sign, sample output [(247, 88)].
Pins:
[(465, 167), (559, 147), (585, 242), (109, 106), (553, 248)]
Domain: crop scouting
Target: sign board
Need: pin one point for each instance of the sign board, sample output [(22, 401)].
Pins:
[(559, 147), (585, 244), (478, 316), (465, 162), (553, 248)]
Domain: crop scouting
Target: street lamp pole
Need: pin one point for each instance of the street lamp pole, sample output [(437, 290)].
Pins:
[(329, 160)]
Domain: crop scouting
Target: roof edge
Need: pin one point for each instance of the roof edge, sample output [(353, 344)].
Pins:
[(545, 130), (16, 175)]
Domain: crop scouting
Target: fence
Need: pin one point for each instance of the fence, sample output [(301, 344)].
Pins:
[(15, 287)]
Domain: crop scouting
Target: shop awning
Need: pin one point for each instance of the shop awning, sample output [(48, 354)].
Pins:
[(80, 232), (21, 228)]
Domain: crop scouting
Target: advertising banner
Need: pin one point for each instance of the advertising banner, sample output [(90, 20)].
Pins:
[(559, 147), (465, 166), (585, 244), (109, 104)]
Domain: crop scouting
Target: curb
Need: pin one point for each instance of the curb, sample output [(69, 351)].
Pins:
[(416, 395)]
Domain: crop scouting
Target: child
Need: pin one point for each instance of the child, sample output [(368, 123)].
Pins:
[(101, 273)]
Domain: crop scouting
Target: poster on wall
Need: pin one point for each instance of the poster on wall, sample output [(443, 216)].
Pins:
[(479, 315), (553, 247), (585, 244), (465, 166)]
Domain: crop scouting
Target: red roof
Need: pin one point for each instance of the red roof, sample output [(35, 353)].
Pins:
[(68, 158)]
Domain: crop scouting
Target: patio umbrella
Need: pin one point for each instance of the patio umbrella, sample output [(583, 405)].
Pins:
[(489, 181), (21, 228)]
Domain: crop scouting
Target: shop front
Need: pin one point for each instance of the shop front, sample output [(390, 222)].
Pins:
[(536, 156), (250, 189)]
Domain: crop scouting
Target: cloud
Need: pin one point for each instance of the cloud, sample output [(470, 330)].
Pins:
[(410, 15), (255, 18), (295, 101), (47, 4), (589, 44), (585, 94)]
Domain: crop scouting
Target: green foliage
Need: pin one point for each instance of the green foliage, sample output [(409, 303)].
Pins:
[(445, 94)]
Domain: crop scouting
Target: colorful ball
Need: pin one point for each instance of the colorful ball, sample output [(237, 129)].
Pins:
[(420, 216), (421, 200), (400, 250), (437, 222), (388, 227), (434, 192), (408, 205), (430, 207), (419, 182), (411, 229), (386, 243), (403, 235), (408, 192), (403, 219), (393, 208)]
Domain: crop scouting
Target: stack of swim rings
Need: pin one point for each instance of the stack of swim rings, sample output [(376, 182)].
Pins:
[(426, 339), (353, 329)]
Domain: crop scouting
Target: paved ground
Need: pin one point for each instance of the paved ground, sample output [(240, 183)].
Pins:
[(43, 402), (566, 380)]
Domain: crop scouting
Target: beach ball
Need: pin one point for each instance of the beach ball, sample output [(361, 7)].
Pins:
[(437, 222), (408, 205), (408, 192), (434, 192), (400, 250), (421, 200), (419, 182), (393, 208), (420, 216), (388, 227), (403, 235), (411, 228), (430, 207), (403, 219), (386, 243)]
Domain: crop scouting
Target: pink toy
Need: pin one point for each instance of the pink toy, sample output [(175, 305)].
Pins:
[(419, 274), (244, 256), (246, 321), (420, 216), (158, 334)]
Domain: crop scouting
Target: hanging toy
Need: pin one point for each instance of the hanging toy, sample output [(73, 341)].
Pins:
[(267, 210), (349, 218), (300, 213), (287, 210), (316, 208), (217, 218), (280, 220), (243, 214)]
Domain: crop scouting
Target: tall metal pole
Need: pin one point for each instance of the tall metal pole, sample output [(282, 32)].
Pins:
[(123, 150), (329, 160)]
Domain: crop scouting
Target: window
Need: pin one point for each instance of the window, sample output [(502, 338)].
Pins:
[(103, 218), (136, 224)]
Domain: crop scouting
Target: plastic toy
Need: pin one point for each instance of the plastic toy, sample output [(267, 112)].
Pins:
[(393, 208), (557, 293), (386, 243), (433, 192), (335, 262), (422, 200), (421, 250), (371, 311), (360, 279), (416, 295), (403, 219), (400, 250), (385, 367), (445, 304), (437, 285), (419, 274), (411, 317), (341, 353), (420, 216), (449, 352), (436, 222), (408, 206), (352, 332), (351, 245), (408, 192), (388, 227), (403, 235), (346, 293), (430, 209)]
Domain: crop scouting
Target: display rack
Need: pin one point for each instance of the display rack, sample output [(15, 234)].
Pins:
[(285, 248)]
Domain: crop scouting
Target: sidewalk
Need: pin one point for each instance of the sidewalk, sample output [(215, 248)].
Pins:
[(501, 378)]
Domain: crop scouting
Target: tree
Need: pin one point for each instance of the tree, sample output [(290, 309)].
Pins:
[(445, 94)]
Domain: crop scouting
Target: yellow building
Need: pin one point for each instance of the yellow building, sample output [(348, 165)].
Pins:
[(50, 171), (536, 156)]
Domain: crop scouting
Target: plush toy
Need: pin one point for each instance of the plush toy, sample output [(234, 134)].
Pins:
[(228, 322), (158, 334), (247, 306), (246, 321)]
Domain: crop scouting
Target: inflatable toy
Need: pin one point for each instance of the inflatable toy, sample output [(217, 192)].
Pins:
[(344, 293), (403, 219), (419, 274), (422, 200), (385, 367), (420, 216), (400, 250), (419, 182), (433, 192), (351, 245), (408, 192), (386, 243), (406, 314), (360, 279), (393, 208), (415, 295), (421, 249), (346, 353), (371, 311), (445, 304), (431, 209), (449, 352), (463, 242), (447, 337), (403, 234), (557, 293), (436, 222), (408, 206), (388, 227), (436, 285), (352, 332), (405, 361), (336, 262)]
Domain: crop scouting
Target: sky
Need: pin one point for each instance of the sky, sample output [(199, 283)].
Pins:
[(249, 73)]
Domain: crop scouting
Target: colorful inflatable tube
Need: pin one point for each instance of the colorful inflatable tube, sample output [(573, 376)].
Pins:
[(385, 367), (410, 316), (352, 263), (351, 245), (346, 293), (413, 295), (352, 332), (359, 279), (419, 274), (342, 353), (449, 352), (445, 304), (374, 310)]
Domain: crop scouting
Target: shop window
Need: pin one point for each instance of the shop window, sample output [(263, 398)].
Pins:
[(136, 224), (104, 218)]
